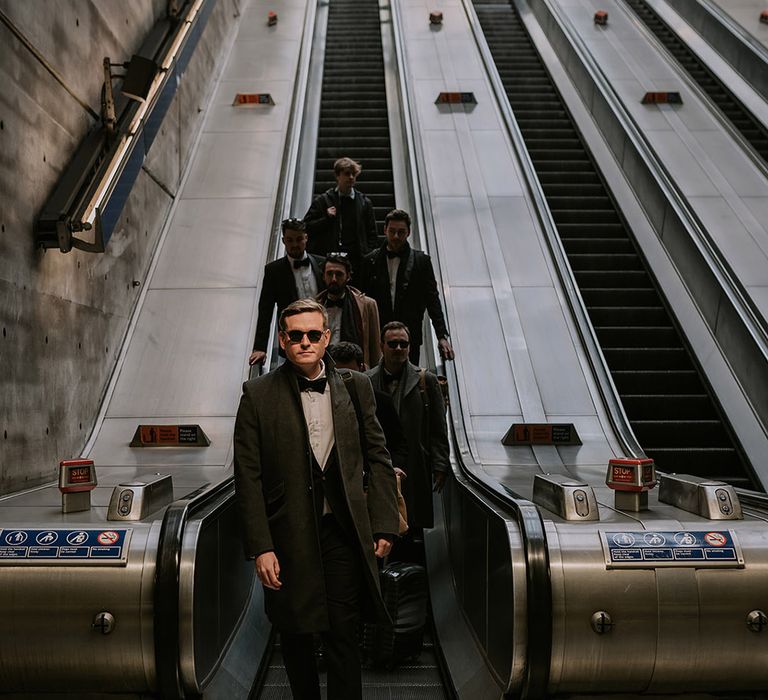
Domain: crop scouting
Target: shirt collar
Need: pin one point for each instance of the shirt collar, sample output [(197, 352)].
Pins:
[(303, 257), (351, 194)]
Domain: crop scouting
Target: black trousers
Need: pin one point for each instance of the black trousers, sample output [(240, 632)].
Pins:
[(342, 568)]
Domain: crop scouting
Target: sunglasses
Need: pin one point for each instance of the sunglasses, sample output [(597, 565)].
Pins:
[(337, 255), (298, 336), (398, 344)]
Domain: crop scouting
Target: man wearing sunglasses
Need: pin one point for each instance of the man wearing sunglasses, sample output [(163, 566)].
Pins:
[(342, 217), (352, 316), (402, 281), (419, 404), (312, 531), (297, 275)]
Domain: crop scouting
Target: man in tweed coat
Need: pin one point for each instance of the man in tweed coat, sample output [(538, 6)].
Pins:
[(313, 532)]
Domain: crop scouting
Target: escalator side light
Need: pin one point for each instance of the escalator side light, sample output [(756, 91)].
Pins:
[(261, 98), (660, 98), (456, 98), (436, 17), (271, 19), (601, 17), (764, 16)]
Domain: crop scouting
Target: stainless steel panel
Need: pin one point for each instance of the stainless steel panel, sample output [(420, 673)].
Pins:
[(46, 639), (559, 375), (595, 448), (111, 448), (482, 336), (682, 164), (229, 166), (610, 59), (675, 630), (486, 435), (461, 254), (738, 176), (424, 63), (190, 343), (262, 60), (464, 60), (520, 242), (501, 177), (446, 168), (209, 245), (745, 243)]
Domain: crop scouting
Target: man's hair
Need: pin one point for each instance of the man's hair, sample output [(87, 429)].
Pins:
[(344, 165), (303, 306), (293, 224), (394, 326), (339, 259), (398, 215), (347, 352)]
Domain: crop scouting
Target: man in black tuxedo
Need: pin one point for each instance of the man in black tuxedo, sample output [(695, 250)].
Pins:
[(312, 531), (402, 282), (342, 218), (297, 275)]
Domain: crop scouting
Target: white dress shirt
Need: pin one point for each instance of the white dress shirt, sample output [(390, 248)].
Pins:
[(334, 323), (306, 282), (318, 414), (393, 265)]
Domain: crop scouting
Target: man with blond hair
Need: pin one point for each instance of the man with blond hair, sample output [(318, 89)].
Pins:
[(312, 531)]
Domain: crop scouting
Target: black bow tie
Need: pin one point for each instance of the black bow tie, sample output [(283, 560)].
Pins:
[(317, 385), (300, 263), (396, 253), (330, 303), (389, 378)]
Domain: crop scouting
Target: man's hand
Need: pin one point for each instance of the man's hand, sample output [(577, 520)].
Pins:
[(446, 349), (257, 357), (268, 570), (382, 547), (331, 211), (439, 478), (399, 472)]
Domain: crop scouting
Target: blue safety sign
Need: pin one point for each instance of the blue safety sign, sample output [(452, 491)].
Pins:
[(51, 546), (633, 549)]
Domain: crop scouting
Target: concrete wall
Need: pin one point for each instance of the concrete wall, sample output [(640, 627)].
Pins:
[(63, 316)]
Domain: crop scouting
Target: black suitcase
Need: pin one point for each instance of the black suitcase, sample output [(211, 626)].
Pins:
[(404, 589)]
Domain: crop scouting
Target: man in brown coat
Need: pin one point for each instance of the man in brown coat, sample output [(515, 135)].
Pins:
[(312, 531), (352, 316)]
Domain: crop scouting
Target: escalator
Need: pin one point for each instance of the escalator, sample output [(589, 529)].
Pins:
[(666, 397), (741, 119), (353, 122), (353, 107)]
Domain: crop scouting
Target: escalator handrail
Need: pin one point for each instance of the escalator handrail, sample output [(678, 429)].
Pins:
[(579, 314), (718, 265), (741, 34), (526, 514), (167, 571), (167, 576), (287, 184)]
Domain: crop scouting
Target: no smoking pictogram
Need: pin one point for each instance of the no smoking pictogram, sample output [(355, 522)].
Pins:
[(716, 539), (108, 537)]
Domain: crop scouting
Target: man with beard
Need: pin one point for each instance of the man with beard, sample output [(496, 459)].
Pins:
[(297, 275), (402, 282), (352, 316)]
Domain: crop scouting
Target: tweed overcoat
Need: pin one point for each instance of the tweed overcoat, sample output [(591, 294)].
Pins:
[(273, 480)]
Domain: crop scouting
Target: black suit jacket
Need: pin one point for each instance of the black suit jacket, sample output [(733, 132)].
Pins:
[(323, 230), (279, 287), (415, 291)]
